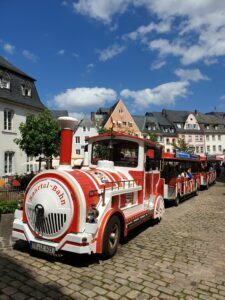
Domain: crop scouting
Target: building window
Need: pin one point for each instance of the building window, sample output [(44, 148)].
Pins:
[(201, 149), (78, 151), (214, 148), (4, 80), (120, 111), (8, 119), (207, 138), (196, 138), (26, 89), (219, 137), (213, 137), (130, 124), (124, 123), (119, 123), (216, 127), (197, 149), (167, 141), (189, 138), (208, 148), (220, 148), (77, 140), (206, 126), (9, 158), (84, 128), (201, 138), (179, 125), (30, 164)]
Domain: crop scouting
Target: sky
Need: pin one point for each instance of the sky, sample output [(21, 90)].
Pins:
[(86, 54)]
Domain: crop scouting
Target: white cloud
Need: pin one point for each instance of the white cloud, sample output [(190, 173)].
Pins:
[(196, 27), (75, 55), (110, 52), (141, 31), (222, 98), (9, 48), (64, 3), (202, 28), (61, 52), (163, 94), (90, 66), (102, 10), (190, 75), (83, 98), (30, 56), (158, 65), (78, 116)]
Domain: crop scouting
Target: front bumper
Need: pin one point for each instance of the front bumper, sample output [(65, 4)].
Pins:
[(80, 243)]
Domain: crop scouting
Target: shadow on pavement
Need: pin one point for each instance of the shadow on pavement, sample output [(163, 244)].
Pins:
[(17, 281), (72, 259)]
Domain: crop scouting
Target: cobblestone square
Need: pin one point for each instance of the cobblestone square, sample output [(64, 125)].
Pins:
[(183, 257)]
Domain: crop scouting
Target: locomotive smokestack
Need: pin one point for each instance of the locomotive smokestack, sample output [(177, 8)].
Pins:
[(67, 125)]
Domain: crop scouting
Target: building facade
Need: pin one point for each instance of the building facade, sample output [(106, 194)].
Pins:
[(84, 129), (204, 133), (18, 97), (116, 118)]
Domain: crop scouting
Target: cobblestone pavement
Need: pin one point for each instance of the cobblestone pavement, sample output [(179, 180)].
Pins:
[(183, 257)]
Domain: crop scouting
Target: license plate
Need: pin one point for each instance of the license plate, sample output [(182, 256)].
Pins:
[(42, 248)]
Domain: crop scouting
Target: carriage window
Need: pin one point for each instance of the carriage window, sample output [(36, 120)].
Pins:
[(122, 153)]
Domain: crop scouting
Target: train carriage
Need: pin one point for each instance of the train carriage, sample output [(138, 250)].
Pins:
[(91, 209), (177, 186), (207, 171)]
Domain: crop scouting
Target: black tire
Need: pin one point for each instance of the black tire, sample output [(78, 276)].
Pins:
[(111, 237), (177, 200)]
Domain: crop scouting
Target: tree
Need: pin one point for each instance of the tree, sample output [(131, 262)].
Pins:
[(152, 136), (40, 136), (102, 130), (181, 145)]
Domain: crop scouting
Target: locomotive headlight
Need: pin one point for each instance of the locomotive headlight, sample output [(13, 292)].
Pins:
[(92, 214)]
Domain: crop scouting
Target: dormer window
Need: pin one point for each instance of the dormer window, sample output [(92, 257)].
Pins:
[(120, 111), (216, 127), (4, 80), (206, 126), (179, 125), (26, 89)]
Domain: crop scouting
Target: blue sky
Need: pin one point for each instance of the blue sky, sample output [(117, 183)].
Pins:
[(153, 54)]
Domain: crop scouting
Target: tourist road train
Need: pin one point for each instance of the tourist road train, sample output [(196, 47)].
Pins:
[(125, 181)]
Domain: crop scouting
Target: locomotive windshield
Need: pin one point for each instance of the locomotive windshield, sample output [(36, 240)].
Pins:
[(122, 153)]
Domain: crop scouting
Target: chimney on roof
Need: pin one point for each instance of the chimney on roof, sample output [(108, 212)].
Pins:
[(196, 112)]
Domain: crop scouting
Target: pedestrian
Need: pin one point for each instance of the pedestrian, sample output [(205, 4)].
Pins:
[(189, 174)]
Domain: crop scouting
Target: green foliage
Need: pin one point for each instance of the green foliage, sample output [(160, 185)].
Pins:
[(103, 130), (39, 135), (152, 136), (181, 145), (8, 207)]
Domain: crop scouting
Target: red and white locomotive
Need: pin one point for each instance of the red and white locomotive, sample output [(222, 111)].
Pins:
[(90, 209)]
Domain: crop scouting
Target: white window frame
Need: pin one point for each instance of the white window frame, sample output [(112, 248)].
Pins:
[(8, 122), (9, 158)]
